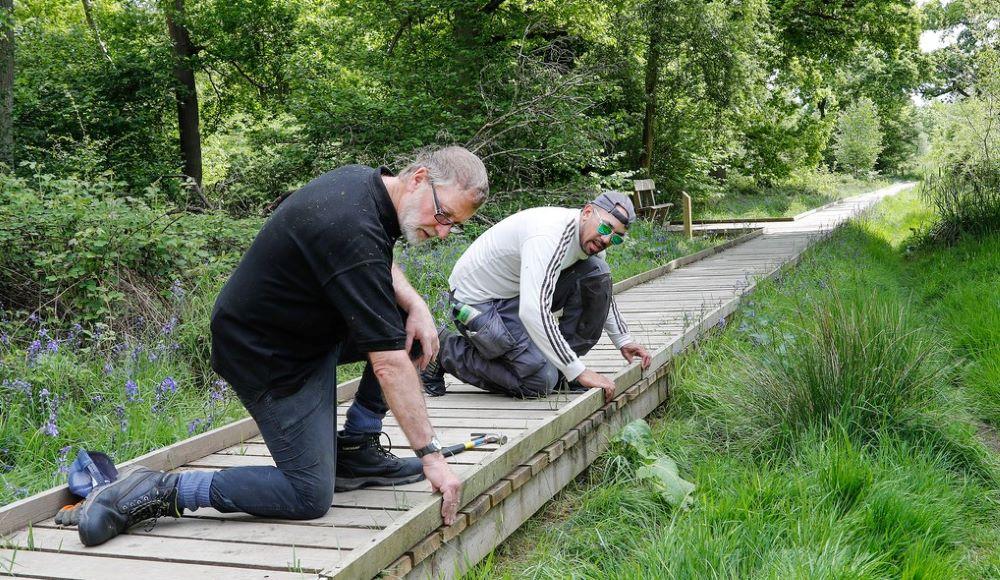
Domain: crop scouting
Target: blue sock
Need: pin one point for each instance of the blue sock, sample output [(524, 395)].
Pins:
[(361, 420), (193, 490)]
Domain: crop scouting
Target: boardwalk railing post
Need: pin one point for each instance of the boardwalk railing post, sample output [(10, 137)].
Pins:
[(687, 214)]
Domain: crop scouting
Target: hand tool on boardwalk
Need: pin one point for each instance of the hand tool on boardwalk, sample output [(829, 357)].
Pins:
[(476, 440)]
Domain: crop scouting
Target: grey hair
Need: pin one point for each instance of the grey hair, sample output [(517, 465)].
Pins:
[(453, 166)]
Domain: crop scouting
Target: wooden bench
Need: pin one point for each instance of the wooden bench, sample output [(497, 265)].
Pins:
[(644, 200)]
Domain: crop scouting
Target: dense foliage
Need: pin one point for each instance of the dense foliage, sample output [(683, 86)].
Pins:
[(546, 93)]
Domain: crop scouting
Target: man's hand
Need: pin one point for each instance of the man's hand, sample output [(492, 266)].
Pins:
[(442, 479), (592, 380), (420, 326), (634, 349)]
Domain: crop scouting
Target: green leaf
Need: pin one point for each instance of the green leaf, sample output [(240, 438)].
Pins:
[(662, 475), (639, 436)]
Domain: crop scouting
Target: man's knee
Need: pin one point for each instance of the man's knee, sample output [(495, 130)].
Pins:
[(541, 383), (311, 503)]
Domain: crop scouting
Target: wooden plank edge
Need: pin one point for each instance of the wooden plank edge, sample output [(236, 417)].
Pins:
[(453, 558)]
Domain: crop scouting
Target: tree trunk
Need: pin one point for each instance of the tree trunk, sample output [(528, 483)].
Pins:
[(88, 11), (652, 83), (7, 82), (186, 92)]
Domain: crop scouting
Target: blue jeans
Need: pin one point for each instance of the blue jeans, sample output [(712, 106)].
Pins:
[(300, 430)]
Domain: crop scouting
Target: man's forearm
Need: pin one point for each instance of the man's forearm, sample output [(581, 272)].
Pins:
[(406, 295), (401, 387)]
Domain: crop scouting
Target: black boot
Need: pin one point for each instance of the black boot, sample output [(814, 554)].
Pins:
[(113, 508), (433, 379), (433, 376), (363, 461)]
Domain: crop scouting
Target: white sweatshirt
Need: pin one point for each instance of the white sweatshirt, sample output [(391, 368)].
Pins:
[(524, 255)]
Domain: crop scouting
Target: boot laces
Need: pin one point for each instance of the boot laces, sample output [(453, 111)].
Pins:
[(385, 451)]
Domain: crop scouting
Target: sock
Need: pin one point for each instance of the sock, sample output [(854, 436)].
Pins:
[(361, 420), (193, 490)]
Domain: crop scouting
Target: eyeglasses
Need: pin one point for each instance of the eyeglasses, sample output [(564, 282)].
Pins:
[(440, 216), (605, 229)]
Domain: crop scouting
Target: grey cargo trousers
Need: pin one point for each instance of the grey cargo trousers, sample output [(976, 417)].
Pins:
[(495, 352)]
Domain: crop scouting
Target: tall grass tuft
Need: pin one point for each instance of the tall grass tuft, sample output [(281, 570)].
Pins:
[(967, 201), (859, 364)]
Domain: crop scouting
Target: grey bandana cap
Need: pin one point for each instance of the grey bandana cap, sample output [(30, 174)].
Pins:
[(609, 199)]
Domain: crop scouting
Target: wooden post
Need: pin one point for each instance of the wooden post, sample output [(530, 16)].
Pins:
[(687, 214)]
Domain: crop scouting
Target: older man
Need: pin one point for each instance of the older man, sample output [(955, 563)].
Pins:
[(531, 296), (318, 288)]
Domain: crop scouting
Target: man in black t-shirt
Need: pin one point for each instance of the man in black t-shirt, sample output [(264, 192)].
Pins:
[(318, 288)]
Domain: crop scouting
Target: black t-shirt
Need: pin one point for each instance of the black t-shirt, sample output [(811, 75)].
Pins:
[(317, 275)]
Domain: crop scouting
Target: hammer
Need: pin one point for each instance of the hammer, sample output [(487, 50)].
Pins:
[(476, 440)]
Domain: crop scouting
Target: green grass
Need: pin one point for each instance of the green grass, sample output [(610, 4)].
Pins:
[(837, 428), (799, 193)]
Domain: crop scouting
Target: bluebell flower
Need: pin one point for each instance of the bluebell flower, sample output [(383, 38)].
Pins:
[(177, 290), (194, 425), (108, 369), (52, 347), (169, 326), (62, 460), (50, 428), (97, 399), (33, 350), (131, 390), (4, 339), (44, 393), (168, 385)]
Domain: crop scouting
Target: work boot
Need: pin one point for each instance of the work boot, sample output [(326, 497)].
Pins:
[(113, 508), (432, 377), (363, 461)]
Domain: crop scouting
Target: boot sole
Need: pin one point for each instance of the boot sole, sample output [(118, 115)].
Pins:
[(353, 483)]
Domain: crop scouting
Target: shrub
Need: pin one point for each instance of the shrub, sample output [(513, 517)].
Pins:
[(967, 200), (77, 249), (863, 366), (858, 137)]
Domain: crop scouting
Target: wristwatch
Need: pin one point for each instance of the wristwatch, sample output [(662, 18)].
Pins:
[(433, 447)]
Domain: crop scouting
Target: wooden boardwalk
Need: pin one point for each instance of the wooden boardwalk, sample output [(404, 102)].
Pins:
[(397, 531)]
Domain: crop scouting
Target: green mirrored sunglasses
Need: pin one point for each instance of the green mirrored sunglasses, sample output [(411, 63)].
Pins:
[(605, 229)]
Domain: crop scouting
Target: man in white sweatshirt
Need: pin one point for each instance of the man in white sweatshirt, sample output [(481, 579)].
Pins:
[(530, 297)]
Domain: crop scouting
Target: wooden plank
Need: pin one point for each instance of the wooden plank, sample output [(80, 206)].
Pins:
[(255, 532), (190, 551), (31, 564), (381, 498), (347, 517)]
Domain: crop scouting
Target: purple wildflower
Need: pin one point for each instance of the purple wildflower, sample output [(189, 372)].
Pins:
[(50, 428), (4, 339), (120, 412), (168, 384), (63, 459), (43, 333), (131, 390), (152, 356), (33, 318), (96, 399), (169, 326), (108, 369), (33, 350), (52, 346), (44, 393), (175, 346), (218, 391), (194, 425), (177, 290), (722, 322)]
